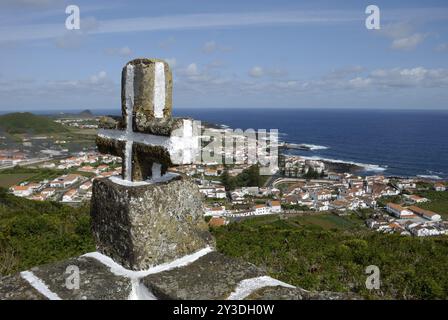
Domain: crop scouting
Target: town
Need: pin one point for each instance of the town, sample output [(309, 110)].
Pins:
[(393, 204)]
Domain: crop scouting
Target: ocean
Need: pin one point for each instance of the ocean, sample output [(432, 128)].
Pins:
[(391, 142)]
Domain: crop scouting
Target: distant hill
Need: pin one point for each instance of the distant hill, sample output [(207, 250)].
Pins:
[(26, 122), (86, 114)]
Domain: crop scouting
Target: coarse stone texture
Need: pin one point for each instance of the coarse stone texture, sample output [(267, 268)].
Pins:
[(143, 157), (14, 287), (96, 280), (213, 276), (109, 122), (284, 293), (142, 226), (143, 86)]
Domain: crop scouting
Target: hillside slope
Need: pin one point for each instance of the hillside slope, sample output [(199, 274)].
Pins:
[(26, 122)]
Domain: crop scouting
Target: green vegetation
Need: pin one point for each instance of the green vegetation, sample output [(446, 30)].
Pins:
[(296, 207), (21, 174), (26, 122), (438, 202), (34, 233), (331, 253), (250, 177), (9, 179), (385, 200), (326, 221)]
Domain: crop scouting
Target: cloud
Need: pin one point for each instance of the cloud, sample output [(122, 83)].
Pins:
[(344, 72), (256, 72), (408, 43), (184, 22), (122, 52), (31, 3), (212, 46), (403, 36)]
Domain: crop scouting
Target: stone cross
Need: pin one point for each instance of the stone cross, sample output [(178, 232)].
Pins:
[(147, 138)]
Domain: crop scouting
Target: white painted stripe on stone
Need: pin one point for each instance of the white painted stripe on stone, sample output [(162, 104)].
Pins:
[(39, 285), (140, 291), (129, 93), (159, 89), (156, 171), (119, 270), (182, 149), (248, 286), (128, 161)]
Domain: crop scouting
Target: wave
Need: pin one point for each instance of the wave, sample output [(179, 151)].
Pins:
[(428, 176), (314, 147), (366, 166)]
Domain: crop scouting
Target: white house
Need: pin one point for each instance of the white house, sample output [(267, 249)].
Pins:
[(21, 191), (64, 181), (321, 195), (398, 210), (69, 196), (220, 193), (261, 209), (215, 211), (439, 186), (275, 206), (426, 213), (417, 199)]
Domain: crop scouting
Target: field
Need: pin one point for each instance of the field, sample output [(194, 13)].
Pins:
[(38, 232), (9, 179), (438, 203), (325, 221), (327, 252), (14, 176)]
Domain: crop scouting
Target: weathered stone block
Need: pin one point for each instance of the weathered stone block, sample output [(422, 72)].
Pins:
[(142, 226), (14, 287), (211, 277), (148, 83), (96, 282)]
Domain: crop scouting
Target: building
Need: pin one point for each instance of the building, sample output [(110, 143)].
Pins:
[(261, 209), (426, 213), (398, 210), (69, 196), (48, 192), (439, 186), (215, 211), (321, 195), (64, 181), (217, 222), (21, 191), (86, 186), (275, 206), (417, 199)]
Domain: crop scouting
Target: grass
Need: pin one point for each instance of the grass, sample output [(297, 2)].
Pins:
[(25, 122), (17, 175), (329, 253), (326, 221), (438, 202), (10, 179)]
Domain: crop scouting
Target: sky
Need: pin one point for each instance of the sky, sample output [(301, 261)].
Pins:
[(227, 54)]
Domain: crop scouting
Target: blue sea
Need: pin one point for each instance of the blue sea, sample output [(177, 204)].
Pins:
[(391, 142)]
